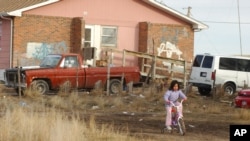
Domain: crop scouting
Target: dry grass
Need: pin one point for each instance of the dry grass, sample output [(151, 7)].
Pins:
[(242, 114), (51, 125), (23, 120), (61, 117)]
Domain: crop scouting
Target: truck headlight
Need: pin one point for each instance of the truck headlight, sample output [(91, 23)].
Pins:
[(23, 77)]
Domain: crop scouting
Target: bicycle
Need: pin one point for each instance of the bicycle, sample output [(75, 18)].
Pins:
[(177, 120)]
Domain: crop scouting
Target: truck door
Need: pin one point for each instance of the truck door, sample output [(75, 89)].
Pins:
[(70, 73)]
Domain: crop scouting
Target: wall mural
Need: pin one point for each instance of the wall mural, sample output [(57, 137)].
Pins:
[(168, 49), (168, 39), (36, 51)]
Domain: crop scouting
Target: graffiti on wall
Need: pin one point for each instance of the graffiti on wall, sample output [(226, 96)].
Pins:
[(36, 51), (167, 50), (169, 37)]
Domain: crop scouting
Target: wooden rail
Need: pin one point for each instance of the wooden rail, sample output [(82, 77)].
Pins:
[(152, 67)]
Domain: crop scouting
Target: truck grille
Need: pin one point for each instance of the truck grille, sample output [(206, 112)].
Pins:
[(11, 78)]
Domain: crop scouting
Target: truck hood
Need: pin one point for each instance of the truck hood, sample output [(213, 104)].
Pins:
[(25, 68), (30, 67)]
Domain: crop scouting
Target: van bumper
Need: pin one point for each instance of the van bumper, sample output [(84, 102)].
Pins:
[(200, 85)]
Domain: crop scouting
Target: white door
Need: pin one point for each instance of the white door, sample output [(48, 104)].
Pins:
[(89, 41), (92, 39), (89, 36)]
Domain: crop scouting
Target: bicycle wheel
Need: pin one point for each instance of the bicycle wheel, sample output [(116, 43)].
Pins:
[(181, 126)]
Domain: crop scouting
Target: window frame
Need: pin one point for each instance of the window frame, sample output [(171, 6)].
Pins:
[(228, 64), (91, 41), (111, 36), (1, 32)]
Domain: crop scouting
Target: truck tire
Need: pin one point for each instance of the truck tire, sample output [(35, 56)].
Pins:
[(115, 86), (40, 86)]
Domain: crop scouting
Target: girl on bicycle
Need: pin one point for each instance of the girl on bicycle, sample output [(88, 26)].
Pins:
[(173, 94)]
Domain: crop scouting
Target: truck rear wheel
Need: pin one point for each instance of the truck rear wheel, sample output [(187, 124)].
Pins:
[(115, 85), (40, 86)]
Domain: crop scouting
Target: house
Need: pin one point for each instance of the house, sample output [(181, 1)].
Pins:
[(29, 30)]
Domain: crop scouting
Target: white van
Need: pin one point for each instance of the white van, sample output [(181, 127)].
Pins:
[(232, 72)]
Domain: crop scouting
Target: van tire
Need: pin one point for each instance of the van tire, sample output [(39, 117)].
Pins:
[(204, 91), (229, 89)]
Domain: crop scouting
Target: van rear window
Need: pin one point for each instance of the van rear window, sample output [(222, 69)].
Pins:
[(197, 61), (204, 63), (207, 62)]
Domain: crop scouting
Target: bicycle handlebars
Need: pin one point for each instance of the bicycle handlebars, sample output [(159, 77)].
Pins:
[(172, 104)]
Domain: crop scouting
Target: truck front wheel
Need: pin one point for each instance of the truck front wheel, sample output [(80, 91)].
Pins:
[(40, 86), (115, 85)]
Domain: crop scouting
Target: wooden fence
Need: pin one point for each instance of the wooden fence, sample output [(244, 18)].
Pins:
[(150, 69)]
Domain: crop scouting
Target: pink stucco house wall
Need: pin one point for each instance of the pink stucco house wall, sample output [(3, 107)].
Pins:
[(123, 17), (125, 14)]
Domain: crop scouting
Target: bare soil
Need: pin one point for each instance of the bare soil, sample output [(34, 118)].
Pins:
[(200, 126)]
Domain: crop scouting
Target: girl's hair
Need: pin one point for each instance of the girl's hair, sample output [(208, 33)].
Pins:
[(171, 87)]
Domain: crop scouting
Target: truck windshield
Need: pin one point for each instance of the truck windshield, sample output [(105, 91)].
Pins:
[(50, 61)]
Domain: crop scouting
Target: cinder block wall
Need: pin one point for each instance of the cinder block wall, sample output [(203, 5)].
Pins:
[(46, 30), (171, 41), (152, 35)]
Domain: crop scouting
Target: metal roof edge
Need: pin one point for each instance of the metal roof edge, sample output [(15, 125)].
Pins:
[(197, 26), (4, 14), (19, 11)]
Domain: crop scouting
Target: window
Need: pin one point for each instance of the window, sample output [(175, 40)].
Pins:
[(50, 61), (89, 36), (208, 61), (70, 61), (108, 36), (0, 33), (227, 63), (197, 60), (243, 65), (87, 42)]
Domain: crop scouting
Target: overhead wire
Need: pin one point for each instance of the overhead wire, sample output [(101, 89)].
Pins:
[(225, 22)]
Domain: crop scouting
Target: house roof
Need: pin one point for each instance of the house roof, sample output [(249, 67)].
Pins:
[(197, 26), (16, 7)]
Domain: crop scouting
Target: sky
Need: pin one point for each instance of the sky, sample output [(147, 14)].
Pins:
[(229, 30)]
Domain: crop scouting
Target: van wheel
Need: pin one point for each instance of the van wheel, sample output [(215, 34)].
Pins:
[(229, 89), (204, 91)]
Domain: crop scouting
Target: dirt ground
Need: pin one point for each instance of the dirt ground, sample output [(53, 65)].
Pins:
[(200, 126), (205, 118)]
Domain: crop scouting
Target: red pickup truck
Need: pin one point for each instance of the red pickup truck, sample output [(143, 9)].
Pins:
[(57, 69)]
